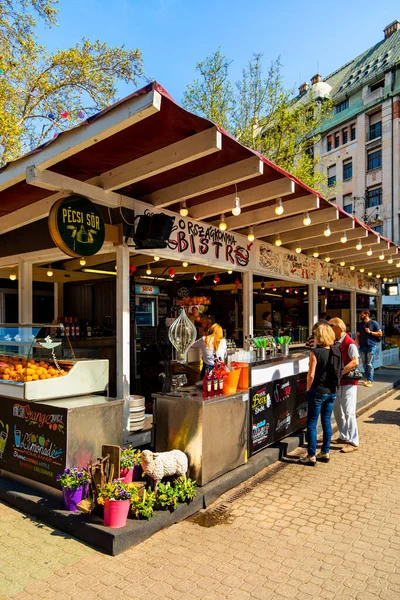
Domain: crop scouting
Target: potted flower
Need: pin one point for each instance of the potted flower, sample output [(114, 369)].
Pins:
[(116, 499), (75, 485), (130, 468)]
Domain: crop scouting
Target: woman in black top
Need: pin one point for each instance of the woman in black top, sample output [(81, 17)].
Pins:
[(322, 381)]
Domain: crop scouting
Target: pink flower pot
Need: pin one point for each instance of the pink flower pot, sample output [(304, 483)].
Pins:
[(126, 475), (72, 498), (116, 513)]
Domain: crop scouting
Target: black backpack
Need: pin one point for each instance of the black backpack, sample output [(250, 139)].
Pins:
[(336, 363)]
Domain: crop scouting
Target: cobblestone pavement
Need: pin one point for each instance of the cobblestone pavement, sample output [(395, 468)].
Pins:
[(330, 531)]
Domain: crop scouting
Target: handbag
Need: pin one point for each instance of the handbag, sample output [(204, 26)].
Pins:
[(353, 375)]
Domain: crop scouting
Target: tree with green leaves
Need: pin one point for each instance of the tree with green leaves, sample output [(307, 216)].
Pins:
[(261, 113), (42, 93)]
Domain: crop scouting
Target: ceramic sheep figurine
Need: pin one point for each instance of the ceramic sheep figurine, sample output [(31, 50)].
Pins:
[(163, 464)]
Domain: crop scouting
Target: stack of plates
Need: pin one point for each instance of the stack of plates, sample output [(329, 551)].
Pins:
[(136, 413)]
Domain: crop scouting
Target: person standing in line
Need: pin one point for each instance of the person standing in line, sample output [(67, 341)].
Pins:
[(346, 402), (323, 377), (310, 342), (369, 335)]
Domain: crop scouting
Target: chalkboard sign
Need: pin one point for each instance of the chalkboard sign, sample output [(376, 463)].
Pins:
[(33, 440), (261, 420)]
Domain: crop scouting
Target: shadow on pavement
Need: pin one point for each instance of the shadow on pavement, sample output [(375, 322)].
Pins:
[(386, 417)]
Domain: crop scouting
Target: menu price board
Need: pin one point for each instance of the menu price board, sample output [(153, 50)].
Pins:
[(277, 409), (33, 440)]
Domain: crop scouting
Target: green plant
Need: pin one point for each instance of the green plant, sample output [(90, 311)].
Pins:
[(143, 506), (129, 457), (73, 479), (185, 489), (167, 496), (115, 491)]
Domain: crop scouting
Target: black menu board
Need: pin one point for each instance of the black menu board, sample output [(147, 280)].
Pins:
[(33, 440), (261, 421)]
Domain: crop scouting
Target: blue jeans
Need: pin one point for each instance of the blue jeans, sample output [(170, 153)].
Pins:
[(367, 355), (319, 404)]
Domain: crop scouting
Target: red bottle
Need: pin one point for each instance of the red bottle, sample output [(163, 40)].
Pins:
[(215, 383)]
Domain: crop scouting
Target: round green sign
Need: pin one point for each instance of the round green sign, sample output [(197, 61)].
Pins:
[(76, 226)]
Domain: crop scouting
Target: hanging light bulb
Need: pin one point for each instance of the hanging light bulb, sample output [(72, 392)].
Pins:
[(278, 241), (156, 258), (327, 258), (195, 276), (362, 270), (296, 291), (390, 280), (82, 262), (369, 252), (398, 265), (342, 263), (305, 293), (171, 272), (331, 289), (306, 219), (279, 210), (327, 230), (323, 287), (148, 270), (381, 256), (369, 273), (185, 263), (385, 279), (298, 249), (183, 211), (274, 289), (390, 261), (50, 272), (315, 254), (352, 267), (13, 276), (217, 279), (250, 236), (343, 239), (222, 225), (378, 275), (230, 272), (359, 245), (236, 210)]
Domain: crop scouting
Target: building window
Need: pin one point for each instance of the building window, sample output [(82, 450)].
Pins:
[(378, 229), (374, 160), (345, 136), (375, 131), (329, 144), (347, 170), (309, 151), (348, 208), (342, 106), (331, 176), (374, 198), (348, 203), (337, 140), (377, 85), (353, 132)]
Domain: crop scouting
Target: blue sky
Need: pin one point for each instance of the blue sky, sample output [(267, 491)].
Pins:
[(174, 35)]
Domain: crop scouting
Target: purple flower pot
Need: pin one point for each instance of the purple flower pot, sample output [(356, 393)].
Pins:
[(72, 498)]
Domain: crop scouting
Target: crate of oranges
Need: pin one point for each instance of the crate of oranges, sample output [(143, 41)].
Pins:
[(23, 369)]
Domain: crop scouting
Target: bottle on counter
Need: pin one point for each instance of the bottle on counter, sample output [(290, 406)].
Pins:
[(67, 327), (215, 383), (88, 330), (207, 385), (71, 327), (77, 328)]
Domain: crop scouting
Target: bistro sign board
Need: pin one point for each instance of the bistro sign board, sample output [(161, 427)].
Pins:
[(76, 226), (200, 242), (33, 440)]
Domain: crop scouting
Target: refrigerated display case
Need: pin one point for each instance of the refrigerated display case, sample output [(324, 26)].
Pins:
[(37, 362)]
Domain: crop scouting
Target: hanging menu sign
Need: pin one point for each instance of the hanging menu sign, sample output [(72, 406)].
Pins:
[(33, 440)]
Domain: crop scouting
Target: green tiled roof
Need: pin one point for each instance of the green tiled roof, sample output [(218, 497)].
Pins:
[(367, 67)]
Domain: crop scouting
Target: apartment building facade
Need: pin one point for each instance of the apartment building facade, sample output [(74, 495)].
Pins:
[(360, 140)]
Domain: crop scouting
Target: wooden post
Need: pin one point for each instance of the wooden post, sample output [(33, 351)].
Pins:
[(25, 292), (248, 319), (312, 306), (353, 312), (378, 300), (123, 332)]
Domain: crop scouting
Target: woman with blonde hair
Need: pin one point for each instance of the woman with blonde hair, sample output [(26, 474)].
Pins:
[(323, 377), (213, 343)]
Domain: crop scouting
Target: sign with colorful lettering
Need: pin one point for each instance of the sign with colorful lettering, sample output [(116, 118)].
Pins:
[(76, 226), (33, 440), (149, 290), (261, 422), (198, 242)]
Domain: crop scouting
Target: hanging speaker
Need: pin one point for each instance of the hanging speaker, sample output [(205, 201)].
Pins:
[(153, 231)]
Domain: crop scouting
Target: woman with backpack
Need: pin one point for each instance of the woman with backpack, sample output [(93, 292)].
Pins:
[(323, 378)]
